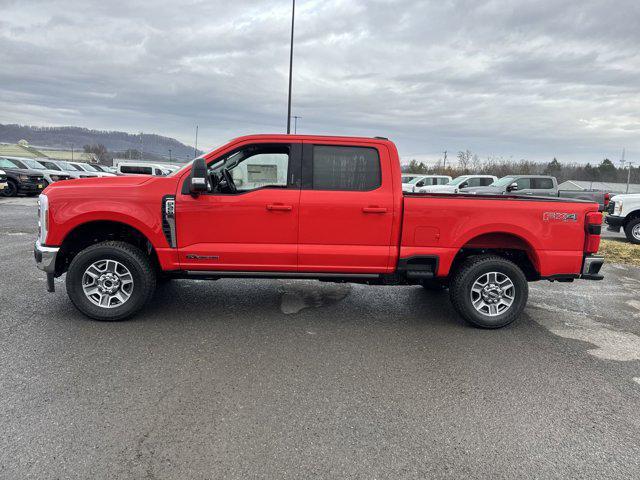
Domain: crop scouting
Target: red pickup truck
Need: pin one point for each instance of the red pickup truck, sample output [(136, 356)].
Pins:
[(311, 207)]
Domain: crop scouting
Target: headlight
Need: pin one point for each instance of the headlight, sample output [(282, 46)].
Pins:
[(24, 178), (617, 210), (43, 218)]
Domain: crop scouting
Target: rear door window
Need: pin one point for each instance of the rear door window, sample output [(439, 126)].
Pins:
[(541, 183), (345, 168)]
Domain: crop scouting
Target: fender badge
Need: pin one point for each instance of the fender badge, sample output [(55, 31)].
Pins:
[(202, 257), (559, 217)]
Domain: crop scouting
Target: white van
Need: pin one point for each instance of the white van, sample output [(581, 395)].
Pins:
[(424, 180), (143, 168)]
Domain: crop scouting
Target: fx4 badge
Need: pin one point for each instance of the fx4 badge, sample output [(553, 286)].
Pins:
[(559, 217)]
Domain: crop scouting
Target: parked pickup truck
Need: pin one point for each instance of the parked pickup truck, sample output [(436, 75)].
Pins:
[(540, 185), (454, 186), (312, 207), (624, 212)]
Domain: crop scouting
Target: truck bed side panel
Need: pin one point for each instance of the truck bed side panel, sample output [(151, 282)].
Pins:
[(551, 232)]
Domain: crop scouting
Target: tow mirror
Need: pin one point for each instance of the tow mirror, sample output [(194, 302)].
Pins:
[(198, 180), (513, 187)]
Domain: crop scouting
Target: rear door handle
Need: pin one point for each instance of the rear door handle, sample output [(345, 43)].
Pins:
[(279, 207), (374, 210)]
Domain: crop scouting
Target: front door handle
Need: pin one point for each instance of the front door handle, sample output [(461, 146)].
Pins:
[(374, 210), (278, 207)]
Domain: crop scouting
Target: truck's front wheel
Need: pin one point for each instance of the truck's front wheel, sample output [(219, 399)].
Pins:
[(489, 291), (110, 281), (632, 230)]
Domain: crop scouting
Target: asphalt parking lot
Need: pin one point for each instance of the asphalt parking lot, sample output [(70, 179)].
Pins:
[(277, 379)]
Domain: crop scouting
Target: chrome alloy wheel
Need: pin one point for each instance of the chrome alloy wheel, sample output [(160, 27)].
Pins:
[(492, 294), (107, 283), (635, 232)]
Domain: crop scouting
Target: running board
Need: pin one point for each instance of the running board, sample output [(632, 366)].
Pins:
[(301, 275)]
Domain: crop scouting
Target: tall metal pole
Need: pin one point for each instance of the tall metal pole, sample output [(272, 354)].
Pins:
[(628, 177), (293, 16), (195, 149), (295, 123)]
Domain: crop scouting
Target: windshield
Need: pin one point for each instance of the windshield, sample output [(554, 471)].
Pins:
[(50, 165), (34, 164), (182, 168), (68, 167), (6, 163), (414, 180), (503, 182), (457, 181), (88, 167)]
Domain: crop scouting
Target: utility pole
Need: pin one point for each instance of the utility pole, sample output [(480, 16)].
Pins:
[(195, 149), (444, 160), (295, 123), (293, 16)]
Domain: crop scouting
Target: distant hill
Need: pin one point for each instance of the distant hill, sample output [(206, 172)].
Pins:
[(77, 137)]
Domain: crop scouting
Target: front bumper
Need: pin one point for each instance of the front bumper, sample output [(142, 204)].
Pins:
[(45, 257), (30, 187), (614, 222), (591, 266)]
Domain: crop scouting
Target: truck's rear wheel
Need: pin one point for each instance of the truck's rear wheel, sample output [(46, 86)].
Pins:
[(632, 230), (489, 291), (110, 281)]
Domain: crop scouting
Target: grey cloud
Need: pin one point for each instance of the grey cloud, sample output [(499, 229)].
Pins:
[(501, 77)]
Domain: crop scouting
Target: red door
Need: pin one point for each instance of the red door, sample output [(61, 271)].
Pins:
[(346, 209), (255, 229)]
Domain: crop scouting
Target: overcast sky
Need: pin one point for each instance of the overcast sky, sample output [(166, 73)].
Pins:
[(522, 79)]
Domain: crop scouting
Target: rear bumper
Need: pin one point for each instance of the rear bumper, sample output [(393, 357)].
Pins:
[(45, 257), (614, 222), (591, 266)]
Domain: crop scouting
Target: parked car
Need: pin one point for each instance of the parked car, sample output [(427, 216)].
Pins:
[(142, 168), (624, 213), (50, 175), (538, 185), (21, 180), (91, 169), (425, 180), (327, 208), (454, 186), (67, 168)]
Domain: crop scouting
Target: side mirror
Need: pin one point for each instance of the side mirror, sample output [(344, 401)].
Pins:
[(513, 187), (198, 180)]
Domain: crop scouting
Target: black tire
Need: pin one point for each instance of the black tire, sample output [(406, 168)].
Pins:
[(433, 285), (138, 264), (632, 230), (11, 190), (473, 269)]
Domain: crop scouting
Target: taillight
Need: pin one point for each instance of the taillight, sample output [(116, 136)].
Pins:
[(593, 227), (607, 198)]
